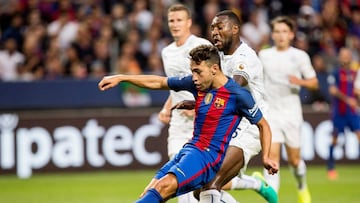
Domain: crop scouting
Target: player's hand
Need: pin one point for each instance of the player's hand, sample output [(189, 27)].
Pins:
[(352, 102), (294, 80), (186, 104), (164, 116), (109, 82), (271, 166)]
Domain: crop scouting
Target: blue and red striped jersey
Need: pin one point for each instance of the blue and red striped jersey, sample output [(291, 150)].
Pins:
[(218, 112), (344, 80)]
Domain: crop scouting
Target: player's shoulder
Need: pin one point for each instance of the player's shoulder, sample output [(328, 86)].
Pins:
[(234, 87), (195, 40), (298, 52), (267, 51)]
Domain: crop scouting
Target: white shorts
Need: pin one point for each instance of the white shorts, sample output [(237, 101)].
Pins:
[(247, 138), (178, 137), (286, 131)]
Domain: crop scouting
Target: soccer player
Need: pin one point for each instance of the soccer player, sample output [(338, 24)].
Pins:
[(176, 62), (220, 105), (240, 62), (344, 105), (286, 69)]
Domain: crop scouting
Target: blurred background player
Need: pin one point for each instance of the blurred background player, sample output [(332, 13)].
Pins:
[(345, 108), (286, 70), (176, 62)]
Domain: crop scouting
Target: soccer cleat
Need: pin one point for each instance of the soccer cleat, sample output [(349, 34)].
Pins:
[(304, 195), (266, 191), (332, 174)]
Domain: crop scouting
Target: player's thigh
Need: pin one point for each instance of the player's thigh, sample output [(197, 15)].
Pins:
[(248, 140), (293, 154), (193, 169)]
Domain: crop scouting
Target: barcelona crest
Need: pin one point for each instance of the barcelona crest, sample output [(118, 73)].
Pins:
[(219, 103)]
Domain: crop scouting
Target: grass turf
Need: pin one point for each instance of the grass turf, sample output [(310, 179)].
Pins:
[(125, 186)]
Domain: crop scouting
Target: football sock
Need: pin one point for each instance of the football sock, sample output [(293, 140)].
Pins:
[(212, 195), (331, 160), (245, 182), (151, 196), (187, 198), (273, 180), (300, 174), (226, 197)]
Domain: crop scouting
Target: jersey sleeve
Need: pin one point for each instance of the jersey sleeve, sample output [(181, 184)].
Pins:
[(182, 83), (244, 68), (306, 67), (248, 108)]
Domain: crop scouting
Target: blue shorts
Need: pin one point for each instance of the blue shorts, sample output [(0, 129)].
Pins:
[(192, 167), (352, 121)]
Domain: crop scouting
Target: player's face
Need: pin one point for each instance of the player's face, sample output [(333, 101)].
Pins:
[(345, 57), (282, 35), (222, 32), (179, 23), (202, 76)]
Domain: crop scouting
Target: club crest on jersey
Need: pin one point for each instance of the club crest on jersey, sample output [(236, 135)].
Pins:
[(208, 98), (219, 103)]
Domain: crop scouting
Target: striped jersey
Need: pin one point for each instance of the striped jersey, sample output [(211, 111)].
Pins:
[(344, 80), (218, 112)]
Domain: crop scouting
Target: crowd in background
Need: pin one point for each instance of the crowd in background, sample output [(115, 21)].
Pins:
[(82, 39)]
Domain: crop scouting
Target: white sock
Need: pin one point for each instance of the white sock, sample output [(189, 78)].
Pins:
[(245, 182), (187, 198), (273, 180), (300, 174), (212, 196), (226, 197)]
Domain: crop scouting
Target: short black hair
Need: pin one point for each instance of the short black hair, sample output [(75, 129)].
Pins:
[(231, 15), (207, 53)]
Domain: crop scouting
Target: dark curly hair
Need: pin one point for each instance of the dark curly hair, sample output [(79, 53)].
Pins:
[(207, 53)]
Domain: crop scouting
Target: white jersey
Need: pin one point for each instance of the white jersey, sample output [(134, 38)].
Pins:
[(246, 63), (278, 65), (177, 63)]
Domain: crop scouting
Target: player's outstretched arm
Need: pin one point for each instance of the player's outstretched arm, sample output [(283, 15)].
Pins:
[(146, 81), (265, 139)]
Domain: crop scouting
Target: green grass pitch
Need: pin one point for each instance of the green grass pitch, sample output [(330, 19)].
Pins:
[(125, 186)]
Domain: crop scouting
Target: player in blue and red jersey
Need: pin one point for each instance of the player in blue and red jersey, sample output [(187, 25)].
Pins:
[(220, 105), (344, 106)]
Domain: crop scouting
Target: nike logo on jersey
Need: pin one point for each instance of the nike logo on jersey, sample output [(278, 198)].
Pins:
[(182, 172)]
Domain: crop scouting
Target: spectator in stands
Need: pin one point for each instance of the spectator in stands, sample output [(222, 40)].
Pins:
[(256, 32), (10, 60)]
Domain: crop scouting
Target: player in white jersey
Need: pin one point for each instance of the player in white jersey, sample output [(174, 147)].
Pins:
[(176, 62), (286, 69), (241, 63)]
